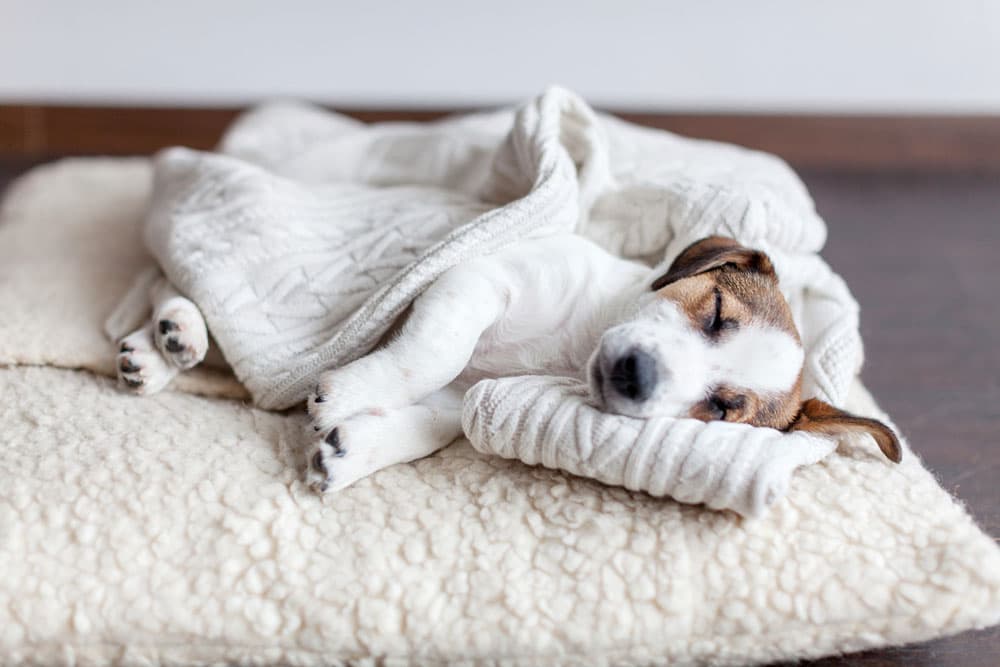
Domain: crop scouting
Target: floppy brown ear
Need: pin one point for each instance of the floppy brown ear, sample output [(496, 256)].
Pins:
[(712, 253), (819, 417)]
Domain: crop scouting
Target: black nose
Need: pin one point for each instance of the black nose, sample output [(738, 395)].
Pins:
[(634, 375)]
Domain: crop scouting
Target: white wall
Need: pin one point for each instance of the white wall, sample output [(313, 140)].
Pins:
[(768, 55)]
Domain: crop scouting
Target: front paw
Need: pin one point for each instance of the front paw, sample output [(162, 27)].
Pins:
[(322, 475), (350, 452), (181, 335), (139, 365), (340, 395)]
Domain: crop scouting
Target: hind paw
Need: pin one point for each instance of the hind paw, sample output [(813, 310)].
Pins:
[(140, 366), (180, 333)]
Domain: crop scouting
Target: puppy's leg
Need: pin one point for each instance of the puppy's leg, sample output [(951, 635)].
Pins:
[(178, 327), (140, 365), (369, 442), (432, 348)]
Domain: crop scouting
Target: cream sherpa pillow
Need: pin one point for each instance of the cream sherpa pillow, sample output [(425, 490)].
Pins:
[(176, 530)]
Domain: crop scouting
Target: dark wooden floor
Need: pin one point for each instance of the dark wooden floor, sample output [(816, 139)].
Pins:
[(922, 253)]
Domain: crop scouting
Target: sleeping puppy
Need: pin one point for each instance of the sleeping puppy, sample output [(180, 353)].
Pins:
[(712, 338)]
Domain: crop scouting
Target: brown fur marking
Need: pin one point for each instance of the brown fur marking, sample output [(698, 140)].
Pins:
[(817, 416), (750, 294)]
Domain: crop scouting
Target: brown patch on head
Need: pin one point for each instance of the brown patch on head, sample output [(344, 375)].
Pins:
[(816, 416), (722, 286), (720, 275)]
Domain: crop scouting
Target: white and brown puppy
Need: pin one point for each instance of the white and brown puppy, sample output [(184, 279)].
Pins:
[(713, 339)]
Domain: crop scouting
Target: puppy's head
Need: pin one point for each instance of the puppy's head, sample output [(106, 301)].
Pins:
[(713, 338)]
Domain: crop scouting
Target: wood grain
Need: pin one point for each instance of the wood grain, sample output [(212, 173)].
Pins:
[(855, 142), (919, 252)]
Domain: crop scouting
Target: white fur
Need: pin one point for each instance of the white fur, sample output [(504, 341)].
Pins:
[(185, 342), (554, 306), (756, 357), (659, 328), (534, 307), (540, 307), (140, 365), (174, 339)]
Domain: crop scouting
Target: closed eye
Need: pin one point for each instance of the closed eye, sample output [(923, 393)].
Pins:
[(717, 323), (720, 407)]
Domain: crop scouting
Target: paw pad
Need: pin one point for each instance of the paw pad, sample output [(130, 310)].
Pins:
[(181, 341), (166, 326)]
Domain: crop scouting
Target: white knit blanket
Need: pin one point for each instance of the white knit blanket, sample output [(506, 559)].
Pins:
[(308, 234), (550, 421)]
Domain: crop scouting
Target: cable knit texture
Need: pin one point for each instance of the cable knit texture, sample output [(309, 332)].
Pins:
[(550, 421), (308, 234), (175, 529)]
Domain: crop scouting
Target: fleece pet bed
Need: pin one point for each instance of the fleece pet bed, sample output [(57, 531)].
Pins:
[(175, 529)]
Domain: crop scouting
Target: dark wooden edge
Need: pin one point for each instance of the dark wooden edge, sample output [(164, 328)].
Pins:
[(822, 141)]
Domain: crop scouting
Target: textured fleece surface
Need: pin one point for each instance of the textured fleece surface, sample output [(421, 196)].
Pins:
[(175, 530), (70, 247)]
